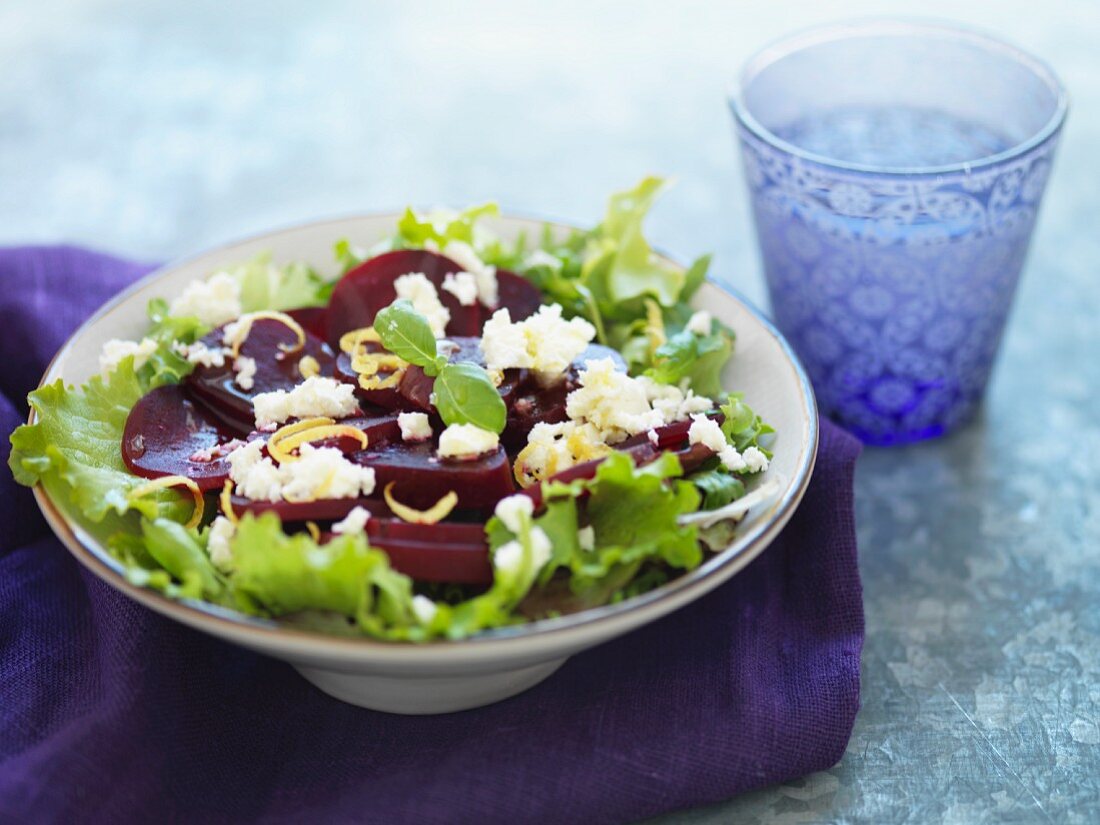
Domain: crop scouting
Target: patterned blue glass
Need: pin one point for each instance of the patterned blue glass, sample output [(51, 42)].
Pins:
[(895, 172)]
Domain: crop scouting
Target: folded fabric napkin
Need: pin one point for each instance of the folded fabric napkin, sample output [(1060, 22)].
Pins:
[(110, 712)]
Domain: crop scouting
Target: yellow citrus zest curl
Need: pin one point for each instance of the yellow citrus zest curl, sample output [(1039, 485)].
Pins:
[(237, 333), (314, 530), (283, 442), (226, 502), (166, 482), (352, 341), (309, 366), (437, 512)]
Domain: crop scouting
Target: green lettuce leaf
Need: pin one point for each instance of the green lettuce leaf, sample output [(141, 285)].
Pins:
[(179, 551), (697, 358), (744, 428), (267, 286), (73, 448)]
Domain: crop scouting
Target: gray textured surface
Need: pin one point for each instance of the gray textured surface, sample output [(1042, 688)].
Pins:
[(153, 132)]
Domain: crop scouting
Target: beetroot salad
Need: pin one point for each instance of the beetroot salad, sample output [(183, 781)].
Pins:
[(451, 434)]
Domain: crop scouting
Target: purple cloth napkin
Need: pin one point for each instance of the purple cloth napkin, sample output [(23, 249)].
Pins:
[(109, 712)]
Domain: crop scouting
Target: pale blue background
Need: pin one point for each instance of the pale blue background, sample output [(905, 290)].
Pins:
[(156, 129)]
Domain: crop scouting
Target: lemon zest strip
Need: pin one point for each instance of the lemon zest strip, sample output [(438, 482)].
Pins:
[(437, 512), (167, 482)]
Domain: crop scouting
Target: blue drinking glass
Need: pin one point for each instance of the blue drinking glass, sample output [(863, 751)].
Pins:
[(895, 172)]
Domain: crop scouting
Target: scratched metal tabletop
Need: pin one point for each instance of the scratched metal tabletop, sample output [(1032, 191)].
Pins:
[(154, 130)]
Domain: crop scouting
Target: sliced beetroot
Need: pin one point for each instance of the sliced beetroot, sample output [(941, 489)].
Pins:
[(368, 288), (323, 509), (516, 294), (444, 552), (165, 429), (671, 436), (312, 319), (421, 479), (216, 387)]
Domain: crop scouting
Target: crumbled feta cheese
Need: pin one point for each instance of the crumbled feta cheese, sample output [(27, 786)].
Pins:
[(552, 448), (424, 609), (545, 342), (616, 404), (671, 402), (512, 510), (706, 431), (654, 439), (466, 441), (217, 543), (245, 368), (755, 460), (485, 276), (319, 472), (414, 426), (700, 323), (115, 350), (540, 257), (586, 538), (316, 396), (200, 354), (353, 522), (420, 292), (509, 556), (463, 286), (213, 301)]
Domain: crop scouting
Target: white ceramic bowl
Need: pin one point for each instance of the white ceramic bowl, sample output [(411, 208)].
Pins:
[(453, 675)]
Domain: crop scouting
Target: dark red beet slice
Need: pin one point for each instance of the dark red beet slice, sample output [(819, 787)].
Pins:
[(324, 509), (164, 429), (368, 288), (534, 404), (312, 319), (516, 294), (671, 436), (422, 478), (217, 389), (443, 552)]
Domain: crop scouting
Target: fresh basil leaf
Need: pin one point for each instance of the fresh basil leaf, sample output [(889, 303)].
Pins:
[(407, 334), (464, 394)]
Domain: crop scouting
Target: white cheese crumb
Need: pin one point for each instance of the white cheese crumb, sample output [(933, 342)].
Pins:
[(545, 342), (245, 368), (654, 439), (700, 323), (616, 404), (424, 609), (217, 543), (319, 472), (353, 522), (316, 396), (466, 441), (586, 538), (706, 431), (755, 459), (671, 402), (509, 556), (463, 286), (513, 509), (213, 301), (552, 448), (115, 350), (200, 354), (414, 426), (420, 292), (485, 276)]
